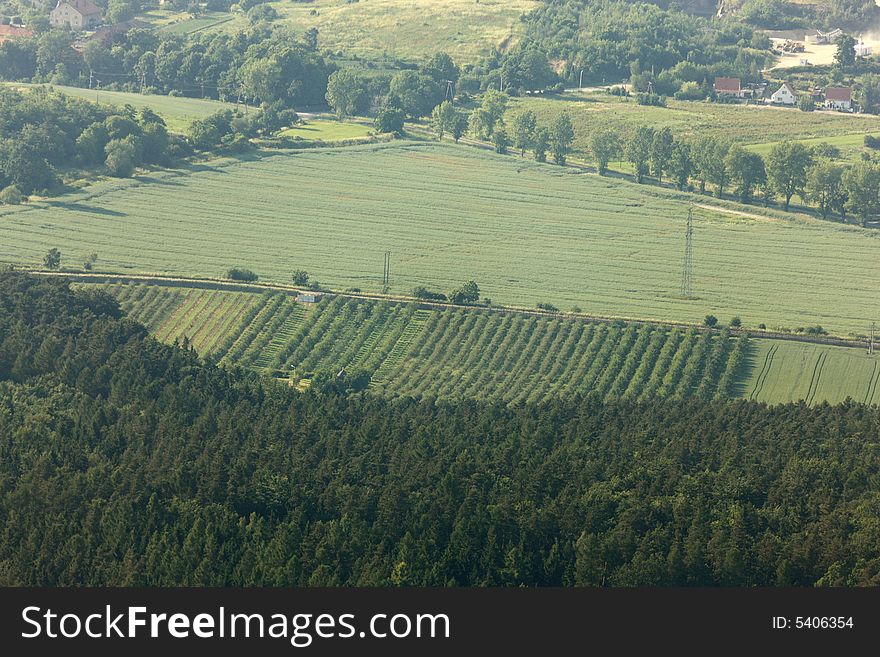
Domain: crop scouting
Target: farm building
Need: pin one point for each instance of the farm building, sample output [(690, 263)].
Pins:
[(838, 98), (823, 38), (75, 15), (863, 50), (785, 95), (729, 87), (308, 297)]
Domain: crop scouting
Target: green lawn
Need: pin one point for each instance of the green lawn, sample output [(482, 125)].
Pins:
[(594, 111), (178, 112), (782, 371), (525, 232), (328, 130), (408, 29)]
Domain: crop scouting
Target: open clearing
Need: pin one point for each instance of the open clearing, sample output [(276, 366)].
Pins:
[(328, 130), (782, 371), (177, 111), (525, 232), (407, 29)]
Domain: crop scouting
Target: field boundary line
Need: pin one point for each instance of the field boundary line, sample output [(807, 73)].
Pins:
[(223, 284), (764, 373)]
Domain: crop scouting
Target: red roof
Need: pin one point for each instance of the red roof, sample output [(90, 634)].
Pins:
[(14, 31), (838, 93), (84, 7), (727, 85)]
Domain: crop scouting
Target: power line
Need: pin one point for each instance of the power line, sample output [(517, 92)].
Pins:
[(687, 272)]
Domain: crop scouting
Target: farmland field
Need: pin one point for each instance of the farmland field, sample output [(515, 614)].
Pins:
[(407, 351), (783, 371), (408, 29), (688, 119), (525, 232), (177, 111)]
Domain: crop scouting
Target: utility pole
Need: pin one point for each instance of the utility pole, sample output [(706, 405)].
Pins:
[(90, 78), (687, 272), (581, 82), (450, 93), (386, 273)]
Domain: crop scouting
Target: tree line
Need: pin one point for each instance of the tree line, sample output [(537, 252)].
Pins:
[(812, 173), (129, 462)]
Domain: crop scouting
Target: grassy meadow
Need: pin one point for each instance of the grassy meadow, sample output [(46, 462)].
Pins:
[(526, 232), (327, 130), (751, 125), (375, 29), (177, 111)]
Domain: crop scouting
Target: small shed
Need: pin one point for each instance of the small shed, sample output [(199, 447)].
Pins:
[(308, 297)]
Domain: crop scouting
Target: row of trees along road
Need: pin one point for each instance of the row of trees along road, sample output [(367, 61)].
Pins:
[(790, 169)]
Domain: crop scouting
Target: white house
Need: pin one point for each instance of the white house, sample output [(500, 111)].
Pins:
[(785, 95), (838, 98), (75, 15)]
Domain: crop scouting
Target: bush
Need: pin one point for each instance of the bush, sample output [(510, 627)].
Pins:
[(872, 142), (236, 274), (121, 155), (762, 326), (466, 294), (736, 322), (549, 307), (651, 100), (300, 277), (815, 330), (11, 196), (422, 292), (710, 320), (806, 104)]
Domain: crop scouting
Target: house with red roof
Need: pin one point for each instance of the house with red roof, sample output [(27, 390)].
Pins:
[(730, 87), (838, 98), (75, 15), (8, 32)]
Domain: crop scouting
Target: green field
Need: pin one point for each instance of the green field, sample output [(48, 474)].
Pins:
[(170, 22), (781, 371), (526, 232), (177, 111), (409, 351), (374, 29), (745, 124), (327, 130)]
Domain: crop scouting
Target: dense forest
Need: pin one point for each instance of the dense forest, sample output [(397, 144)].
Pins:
[(124, 461)]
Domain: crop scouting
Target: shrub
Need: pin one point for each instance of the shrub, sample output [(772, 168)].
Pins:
[(736, 322), (710, 320), (548, 307), (815, 330), (11, 196), (237, 274), (300, 277), (872, 142)]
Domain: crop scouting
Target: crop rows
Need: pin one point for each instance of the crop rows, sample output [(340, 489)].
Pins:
[(443, 353)]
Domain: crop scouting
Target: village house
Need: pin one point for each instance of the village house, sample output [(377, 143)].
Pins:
[(8, 32), (729, 87), (785, 95), (75, 15), (838, 98)]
